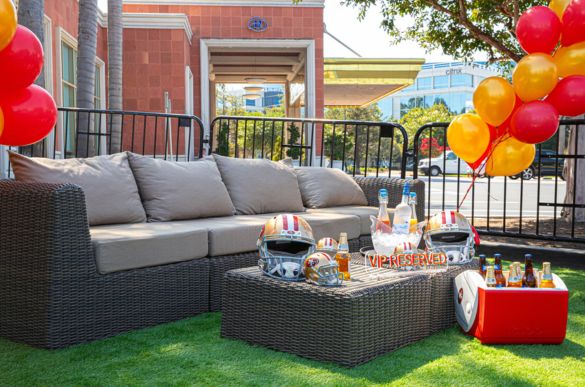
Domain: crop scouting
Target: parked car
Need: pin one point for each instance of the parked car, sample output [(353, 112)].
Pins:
[(547, 166), (447, 163)]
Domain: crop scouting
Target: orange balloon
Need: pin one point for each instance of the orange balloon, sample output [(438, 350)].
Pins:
[(559, 6), (7, 23), (1, 122), (535, 77), (570, 60), (510, 157), (494, 100), (468, 136)]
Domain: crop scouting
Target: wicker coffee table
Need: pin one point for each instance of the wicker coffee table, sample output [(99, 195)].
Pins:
[(348, 325)]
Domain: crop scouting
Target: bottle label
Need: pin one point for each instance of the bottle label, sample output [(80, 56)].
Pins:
[(400, 228), (483, 267), (497, 267)]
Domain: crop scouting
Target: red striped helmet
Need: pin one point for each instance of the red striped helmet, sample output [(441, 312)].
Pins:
[(450, 232), (328, 245), (284, 243)]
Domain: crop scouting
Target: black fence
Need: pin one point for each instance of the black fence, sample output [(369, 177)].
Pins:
[(533, 204), (356, 147), (90, 132)]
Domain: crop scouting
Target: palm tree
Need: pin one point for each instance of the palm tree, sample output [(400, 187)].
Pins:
[(31, 14), (115, 53), (86, 54)]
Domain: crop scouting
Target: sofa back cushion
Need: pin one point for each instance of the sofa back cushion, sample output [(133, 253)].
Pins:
[(259, 186), (111, 194), (329, 187), (180, 190)]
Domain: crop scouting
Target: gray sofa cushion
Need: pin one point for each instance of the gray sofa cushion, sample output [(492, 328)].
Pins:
[(328, 187), (180, 190), (133, 246), (259, 186), (363, 212), (111, 193)]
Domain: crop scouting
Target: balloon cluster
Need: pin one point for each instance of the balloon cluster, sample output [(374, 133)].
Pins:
[(546, 83), (27, 112)]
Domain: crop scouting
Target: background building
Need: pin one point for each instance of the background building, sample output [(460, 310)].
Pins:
[(451, 84)]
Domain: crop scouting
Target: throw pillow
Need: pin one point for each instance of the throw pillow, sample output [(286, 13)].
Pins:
[(329, 187)]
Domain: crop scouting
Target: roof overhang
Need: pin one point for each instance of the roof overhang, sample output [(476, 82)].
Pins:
[(363, 81)]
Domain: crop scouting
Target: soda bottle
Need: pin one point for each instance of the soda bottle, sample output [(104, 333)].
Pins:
[(490, 277), (482, 265), (500, 279), (547, 280), (343, 257), (383, 210), (413, 219), (402, 213), (515, 276), (528, 279)]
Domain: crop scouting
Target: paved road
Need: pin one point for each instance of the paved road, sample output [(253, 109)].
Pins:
[(513, 188)]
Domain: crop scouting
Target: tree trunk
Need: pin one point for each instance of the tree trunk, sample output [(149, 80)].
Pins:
[(86, 53), (115, 54), (574, 173), (31, 15)]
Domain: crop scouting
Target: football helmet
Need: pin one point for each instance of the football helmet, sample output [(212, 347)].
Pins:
[(328, 245), (449, 232), (404, 247), (284, 243), (321, 269)]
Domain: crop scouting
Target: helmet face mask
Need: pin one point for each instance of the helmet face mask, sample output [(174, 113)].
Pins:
[(284, 244), (450, 233)]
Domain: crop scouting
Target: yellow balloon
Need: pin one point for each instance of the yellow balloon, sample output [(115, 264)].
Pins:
[(510, 157), (468, 136), (494, 100), (7, 22), (535, 77), (559, 6), (570, 60)]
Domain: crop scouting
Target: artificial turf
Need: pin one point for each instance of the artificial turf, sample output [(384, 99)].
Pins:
[(191, 352)]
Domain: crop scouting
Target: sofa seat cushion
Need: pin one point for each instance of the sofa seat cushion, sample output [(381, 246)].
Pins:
[(363, 212), (238, 234), (134, 246)]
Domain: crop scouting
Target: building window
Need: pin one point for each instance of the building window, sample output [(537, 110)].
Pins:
[(424, 83), (69, 76), (458, 80), (441, 82)]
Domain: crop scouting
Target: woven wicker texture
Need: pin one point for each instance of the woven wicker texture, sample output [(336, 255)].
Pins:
[(348, 325), (50, 293)]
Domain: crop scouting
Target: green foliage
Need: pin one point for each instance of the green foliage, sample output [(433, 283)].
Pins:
[(223, 147), (294, 134), (192, 352), (458, 28), (418, 117)]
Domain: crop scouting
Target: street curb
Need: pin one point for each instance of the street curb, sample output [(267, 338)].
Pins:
[(560, 257)]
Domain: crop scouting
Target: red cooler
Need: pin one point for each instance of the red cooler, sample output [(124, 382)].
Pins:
[(511, 315)]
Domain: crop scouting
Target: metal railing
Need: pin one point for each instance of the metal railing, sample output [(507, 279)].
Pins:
[(91, 132), (532, 204), (356, 147)]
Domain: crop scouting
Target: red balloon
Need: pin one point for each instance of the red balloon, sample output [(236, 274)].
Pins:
[(574, 23), (538, 30), (29, 116), (569, 96), (21, 61), (534, 122)]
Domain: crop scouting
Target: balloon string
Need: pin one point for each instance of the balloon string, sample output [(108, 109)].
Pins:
[(476, 175)]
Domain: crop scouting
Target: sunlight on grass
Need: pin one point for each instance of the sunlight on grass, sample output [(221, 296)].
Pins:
[(191, 352)]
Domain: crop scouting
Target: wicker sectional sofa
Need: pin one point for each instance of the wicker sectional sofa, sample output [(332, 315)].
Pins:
[(59, 285)]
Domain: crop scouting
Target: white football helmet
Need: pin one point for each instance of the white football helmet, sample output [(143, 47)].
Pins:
[(449, 232)]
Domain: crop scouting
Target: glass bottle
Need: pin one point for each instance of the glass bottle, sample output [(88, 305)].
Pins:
[(343, 257), (490, 277), (413, 219), (547, 280), (402, 213), (383, 210), (528, 279), (515, 276), (482, 265), (500, 279)]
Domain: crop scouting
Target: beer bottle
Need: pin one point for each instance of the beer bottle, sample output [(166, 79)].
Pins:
[(482, 265), (490, 277), (500, 279), (546, 281), (515, 276), (528, 279), (343, 257)]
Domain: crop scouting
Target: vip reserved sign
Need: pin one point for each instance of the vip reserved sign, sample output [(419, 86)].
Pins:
[(406, 261)]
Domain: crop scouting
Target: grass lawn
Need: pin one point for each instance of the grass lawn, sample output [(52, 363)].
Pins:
[(191, 352)]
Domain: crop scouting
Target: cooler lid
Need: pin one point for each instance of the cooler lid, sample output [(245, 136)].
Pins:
[(466, 298)]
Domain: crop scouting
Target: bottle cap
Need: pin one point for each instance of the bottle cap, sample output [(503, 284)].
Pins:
[(482, 256), (413, 195), (497, 255), (383, 193), (406, 189), (527, 256)]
